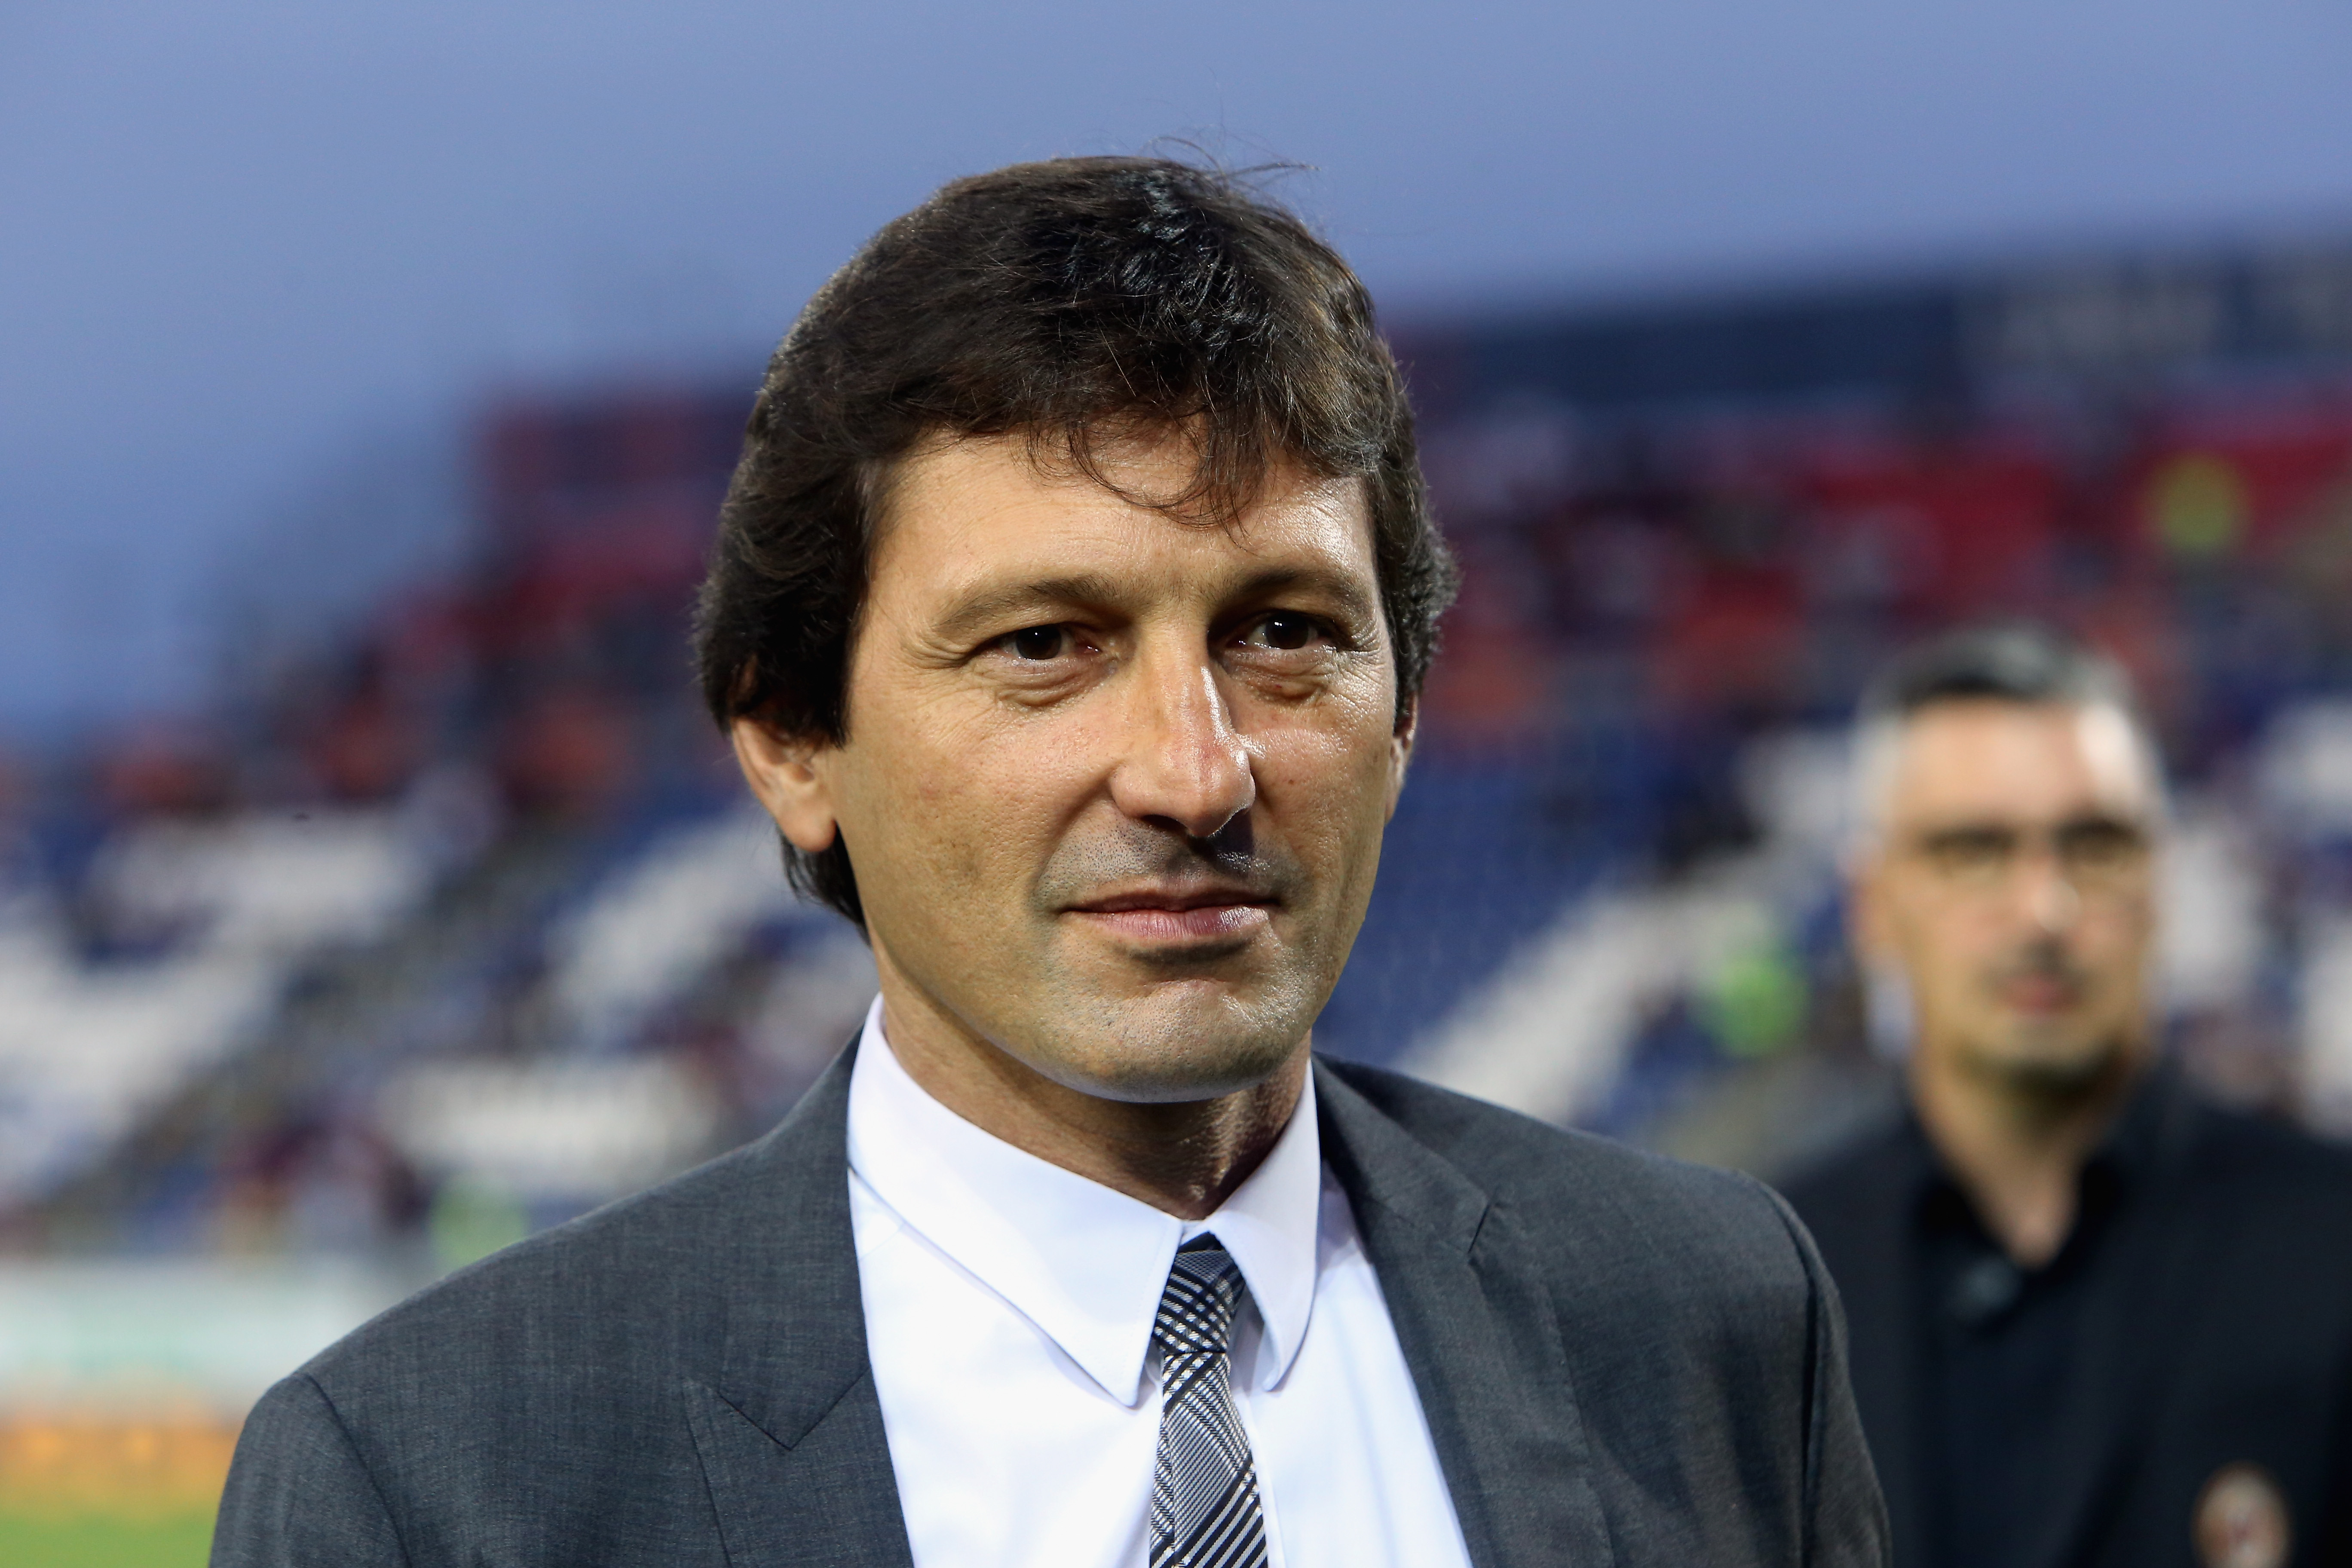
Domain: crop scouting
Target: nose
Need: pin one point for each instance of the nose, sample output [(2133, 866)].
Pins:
[(2048, 897), (1183, 764)]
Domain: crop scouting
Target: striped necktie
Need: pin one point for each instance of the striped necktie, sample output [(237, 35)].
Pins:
[(1205, 1509)]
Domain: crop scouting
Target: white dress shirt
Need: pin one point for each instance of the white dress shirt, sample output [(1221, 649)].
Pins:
[(1009, 1306)]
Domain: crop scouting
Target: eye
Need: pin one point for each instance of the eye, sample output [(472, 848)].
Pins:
[(1285, 630), (2101, 849), (1039, 643), (1972, 854)]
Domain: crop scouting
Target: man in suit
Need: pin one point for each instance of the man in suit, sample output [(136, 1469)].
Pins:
[(2096, 1320), (1068, 614)]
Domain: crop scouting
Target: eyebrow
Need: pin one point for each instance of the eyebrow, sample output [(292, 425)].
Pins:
[(987, 606), (2086, 822)]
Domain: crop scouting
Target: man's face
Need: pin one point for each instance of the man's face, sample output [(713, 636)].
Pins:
[(1115, 782), (2010, 883)]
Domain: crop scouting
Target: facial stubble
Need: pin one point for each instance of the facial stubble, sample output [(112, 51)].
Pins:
[(1161, 1023)]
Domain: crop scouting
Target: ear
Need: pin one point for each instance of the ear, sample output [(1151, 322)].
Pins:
[(1401, 751), (789, 776), (1867, 919)]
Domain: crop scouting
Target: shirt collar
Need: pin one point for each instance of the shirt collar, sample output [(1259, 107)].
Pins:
[(1084, 1263), (2135, 1145)]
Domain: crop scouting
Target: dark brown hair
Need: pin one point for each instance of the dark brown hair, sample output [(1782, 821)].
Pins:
[(1074, 302)]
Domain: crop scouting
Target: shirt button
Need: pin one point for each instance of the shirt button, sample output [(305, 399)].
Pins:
[(1985, 1290)]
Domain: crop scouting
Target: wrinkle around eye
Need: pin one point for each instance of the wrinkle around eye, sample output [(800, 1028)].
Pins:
[(1291, 676), (1075, 666)]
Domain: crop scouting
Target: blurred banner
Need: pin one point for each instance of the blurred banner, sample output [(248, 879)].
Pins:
[(122, 1383)]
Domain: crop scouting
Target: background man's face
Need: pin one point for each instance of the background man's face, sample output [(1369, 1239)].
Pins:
[(1115, 783), (2011, 885)]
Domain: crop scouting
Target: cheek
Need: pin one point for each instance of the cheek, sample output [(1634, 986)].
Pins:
[(964, 802), (1945, 949), (1327, 787), (2123, 938)]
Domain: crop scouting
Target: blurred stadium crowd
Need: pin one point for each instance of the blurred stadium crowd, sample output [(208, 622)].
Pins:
[(454, 923), (435, 929)]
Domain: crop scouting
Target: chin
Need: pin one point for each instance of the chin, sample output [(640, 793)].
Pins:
[(1177, 1042), (2055, 1060)]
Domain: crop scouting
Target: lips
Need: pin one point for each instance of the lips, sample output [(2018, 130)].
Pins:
[(2040, 994), (1180, 915)]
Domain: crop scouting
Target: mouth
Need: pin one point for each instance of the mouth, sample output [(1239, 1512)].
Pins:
[(2041, 995), (1173, 915)]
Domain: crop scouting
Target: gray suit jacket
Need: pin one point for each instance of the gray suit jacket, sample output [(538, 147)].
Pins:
[(1622, 1360)]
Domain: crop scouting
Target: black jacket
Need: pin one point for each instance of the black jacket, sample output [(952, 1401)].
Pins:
[(1622, 1360), (2215, 1329)]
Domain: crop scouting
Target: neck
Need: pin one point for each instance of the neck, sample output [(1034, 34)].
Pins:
[(1184, 1158), (2016, 1143)]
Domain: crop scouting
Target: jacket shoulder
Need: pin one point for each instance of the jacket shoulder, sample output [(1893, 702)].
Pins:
[(643, 1278), (2262, 1189), (1860, 1172), (2271, 1151), (1601, 1200), (528, 1408)]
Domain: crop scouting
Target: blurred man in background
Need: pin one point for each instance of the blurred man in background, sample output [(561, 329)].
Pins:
[(2096, 1320)]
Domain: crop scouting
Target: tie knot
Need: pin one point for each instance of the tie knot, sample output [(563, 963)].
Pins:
[(1204, 1291)]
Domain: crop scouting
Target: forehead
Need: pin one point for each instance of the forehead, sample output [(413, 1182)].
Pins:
[(1995, 761), (965, 515)]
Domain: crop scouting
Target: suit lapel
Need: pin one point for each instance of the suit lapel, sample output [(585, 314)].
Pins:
[(1480, 1337), (789, 1429)]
